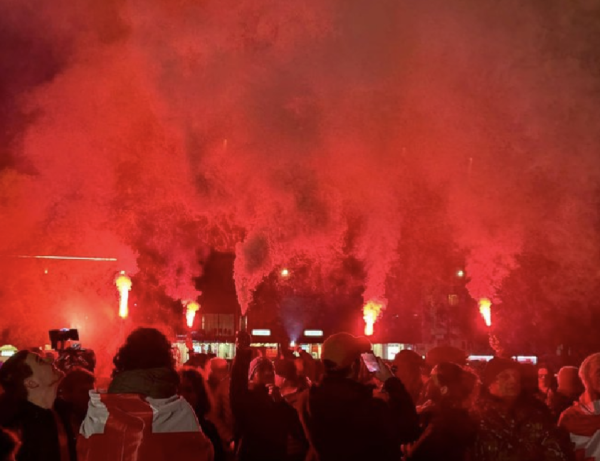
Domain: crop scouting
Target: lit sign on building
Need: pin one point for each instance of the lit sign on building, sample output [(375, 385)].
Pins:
[(317, 333), (261, 332)]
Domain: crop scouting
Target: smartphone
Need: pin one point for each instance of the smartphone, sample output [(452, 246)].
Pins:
[(370, 362)]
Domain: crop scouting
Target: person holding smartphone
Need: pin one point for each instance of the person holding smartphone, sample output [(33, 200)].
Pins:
[(342, 418)]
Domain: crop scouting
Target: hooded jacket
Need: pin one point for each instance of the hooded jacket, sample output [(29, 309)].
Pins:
[(137, 420)]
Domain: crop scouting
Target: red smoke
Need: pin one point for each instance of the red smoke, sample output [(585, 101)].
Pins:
[(268, 127)]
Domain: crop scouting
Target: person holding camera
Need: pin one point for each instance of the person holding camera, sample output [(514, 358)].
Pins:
[(341, 416), (28, 407)]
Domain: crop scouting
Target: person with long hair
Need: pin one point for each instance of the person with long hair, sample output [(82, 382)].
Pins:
[(142, 418)]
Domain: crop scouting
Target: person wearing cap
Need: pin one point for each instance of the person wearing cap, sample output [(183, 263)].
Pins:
[(342, 418), (511, 426), (264, 421), (582, 419)]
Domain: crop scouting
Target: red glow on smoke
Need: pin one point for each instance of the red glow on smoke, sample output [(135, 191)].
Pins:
[(158, 130)]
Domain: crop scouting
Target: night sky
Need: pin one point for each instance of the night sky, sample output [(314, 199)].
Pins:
[(151, 131)]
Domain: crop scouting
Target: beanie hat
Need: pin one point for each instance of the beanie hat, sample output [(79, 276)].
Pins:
[(496, 366)]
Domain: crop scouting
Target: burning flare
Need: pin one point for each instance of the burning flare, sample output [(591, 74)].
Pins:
[(123, 284), (190, 313), (371, 311), (485, 308)]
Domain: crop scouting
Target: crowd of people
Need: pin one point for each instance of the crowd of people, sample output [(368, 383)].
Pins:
[(296, 408)]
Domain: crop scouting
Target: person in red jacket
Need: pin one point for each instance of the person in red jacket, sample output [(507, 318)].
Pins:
[(141, 417), (582, 419)]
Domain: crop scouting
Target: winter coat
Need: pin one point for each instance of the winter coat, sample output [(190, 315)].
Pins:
[(523, 432), (345, 422)]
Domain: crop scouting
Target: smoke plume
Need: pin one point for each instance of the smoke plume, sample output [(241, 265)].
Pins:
[(150, 131)]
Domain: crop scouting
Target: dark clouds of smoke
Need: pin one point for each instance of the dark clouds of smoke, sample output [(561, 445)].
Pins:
[(159, 128)]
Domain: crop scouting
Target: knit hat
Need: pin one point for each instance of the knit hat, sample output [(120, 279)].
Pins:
[(341, 349), (255, 364), (496, 366)]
